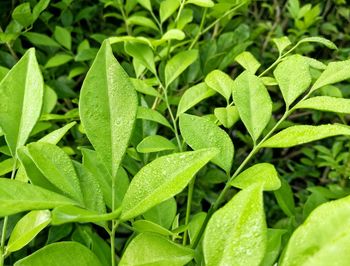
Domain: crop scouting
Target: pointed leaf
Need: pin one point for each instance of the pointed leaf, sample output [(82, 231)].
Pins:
[(236, 233), (108, 104), (296, 135), (248, 62), (167, 8), (21, 94), (220, 82), (152, 115), (143, 53), (155, 144), (62, 253), (253, 103), (162, 179), (201, 133), (227, 116), (293, 77), (321, 40), (153, 249), (55, 136), (326, 103), (282, 43)]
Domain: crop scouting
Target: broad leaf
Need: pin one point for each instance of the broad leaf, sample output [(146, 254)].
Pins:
[(326, 103), (141, 52), (227, 116), (108, 104), (16, 196), (282, 43), (334, 72), (162, 179), (155, 143), (293, 77), (152, 115), (192, 96), (202, 3), (178, 64), (253, 103), (261, 173), (167, 8), (163, 213), (57, 167), (201, 133), (21, 94), (55, 136), (323, 239), (153, 249), (220, 82), (63, 36), (296, 135), (236, 233), (62, 253), (248, 62), (27, 228), (144, 226)]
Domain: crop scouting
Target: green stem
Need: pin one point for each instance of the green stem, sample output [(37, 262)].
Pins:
[(4, 225), (125, 18), (199, 30), (188, 207), (115, 225), (180, 10)]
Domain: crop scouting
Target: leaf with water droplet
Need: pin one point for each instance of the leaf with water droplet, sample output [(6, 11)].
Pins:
[(236, 233), (326, 103), (108, 104), (162, 179)]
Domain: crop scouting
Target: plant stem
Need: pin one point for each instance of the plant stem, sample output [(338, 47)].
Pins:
[(125, 18), (4, 225), (180, 10), (199, 30), (115, 225), (188, 207)]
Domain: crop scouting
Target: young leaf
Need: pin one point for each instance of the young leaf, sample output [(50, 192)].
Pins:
[(179, 63), (144, 226), (261, 173), (21, 94), (201, 133), (62, 35), (274, 242), (326, 103), (22, 14), (55, 136), (155, 144), (334, 72), (57, 167), (153, 249), (323, 239), (162, 179), (167, 8), (152, 115), (16, 196), (236, 233), (253, 103), (27, 228), (40, 39), (142, 21), (202, 3), (248, 62), (141, 52), (220, 82), (58, 60), (300, 134), (293, 77), (282, 43), (227, 116), (64, 253), (146, 4), (108, 104), (192, 96), (321, 40), (163, 213)]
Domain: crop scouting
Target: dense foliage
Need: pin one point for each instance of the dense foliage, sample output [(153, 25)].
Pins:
[(174, 132)]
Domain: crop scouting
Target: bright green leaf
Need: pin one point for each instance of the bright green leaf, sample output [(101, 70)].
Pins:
[(152, 115), (55, 136), (326, 103), (248, 62), (58, 60), (155, 143), (220, 82), (227, 116), (321, 40), (163, 213), (202, 3), (63, 37), (167, 8), (141, 52), (282, 43)]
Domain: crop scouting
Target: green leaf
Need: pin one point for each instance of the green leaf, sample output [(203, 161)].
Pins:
[(23, 15), (153, 249), (201, 133), (192, 96), (6, 166), (334, 72), (274, 241), (142, 87), (27, 228), (63, 37), (248, 62), (110, 110), (253, 103), (236, 233), (155, 143), (167, 8), (227, 116), (141, 52), (58, 60), (326, 103), (64, 253), (49, 101), (323, 239), (146, 4), (178, 64), (21, 94), (300, 134), (173, 34), (142, 21), (163, 213), (261, 173), (162, 179), (152, 115), (321, 40), (282, 43), (16, 196), (202, 3), (40, 7), (40, 39), (293, 77), (55, 136), (57, 167), (220, 82), (144, 226)]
